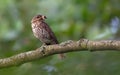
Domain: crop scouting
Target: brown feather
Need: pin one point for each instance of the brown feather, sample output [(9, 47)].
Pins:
[(43, 32)]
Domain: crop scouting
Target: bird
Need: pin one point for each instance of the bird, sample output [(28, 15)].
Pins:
[(43, 32)]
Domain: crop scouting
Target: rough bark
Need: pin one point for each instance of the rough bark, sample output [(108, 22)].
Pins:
[(68, 46)]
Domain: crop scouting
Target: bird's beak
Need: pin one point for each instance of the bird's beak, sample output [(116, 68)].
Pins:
[(44, 17)]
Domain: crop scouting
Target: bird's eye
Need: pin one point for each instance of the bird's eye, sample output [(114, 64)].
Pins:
[(37, 16)]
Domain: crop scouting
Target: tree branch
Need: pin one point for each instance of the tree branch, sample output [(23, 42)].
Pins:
[(69, 46)]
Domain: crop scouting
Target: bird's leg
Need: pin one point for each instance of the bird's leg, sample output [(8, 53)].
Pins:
[(43, 48)]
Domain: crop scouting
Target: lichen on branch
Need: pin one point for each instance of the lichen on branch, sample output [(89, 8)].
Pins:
[(64, 47)]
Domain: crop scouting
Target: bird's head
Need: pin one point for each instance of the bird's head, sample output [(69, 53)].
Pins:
[(38, 18)]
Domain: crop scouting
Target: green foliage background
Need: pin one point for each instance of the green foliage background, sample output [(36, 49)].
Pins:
[(70, 20)]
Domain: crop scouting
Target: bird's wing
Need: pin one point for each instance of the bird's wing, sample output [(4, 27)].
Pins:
[(51, 34)]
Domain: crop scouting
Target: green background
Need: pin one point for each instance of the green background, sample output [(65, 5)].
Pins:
[(70, 20)]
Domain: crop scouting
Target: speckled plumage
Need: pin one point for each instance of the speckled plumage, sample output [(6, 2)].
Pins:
[(42, 31)]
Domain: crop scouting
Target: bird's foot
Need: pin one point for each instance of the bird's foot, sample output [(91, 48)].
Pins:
[(43, 48)]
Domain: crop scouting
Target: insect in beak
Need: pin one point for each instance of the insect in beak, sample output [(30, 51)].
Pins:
[(44, 17)]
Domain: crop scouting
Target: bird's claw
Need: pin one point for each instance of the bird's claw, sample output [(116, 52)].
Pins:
[(42, 49)]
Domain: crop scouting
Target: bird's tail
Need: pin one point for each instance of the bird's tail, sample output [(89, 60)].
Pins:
[(61, 56)]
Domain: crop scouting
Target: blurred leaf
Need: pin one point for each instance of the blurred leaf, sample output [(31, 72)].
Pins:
[(69, 20)]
